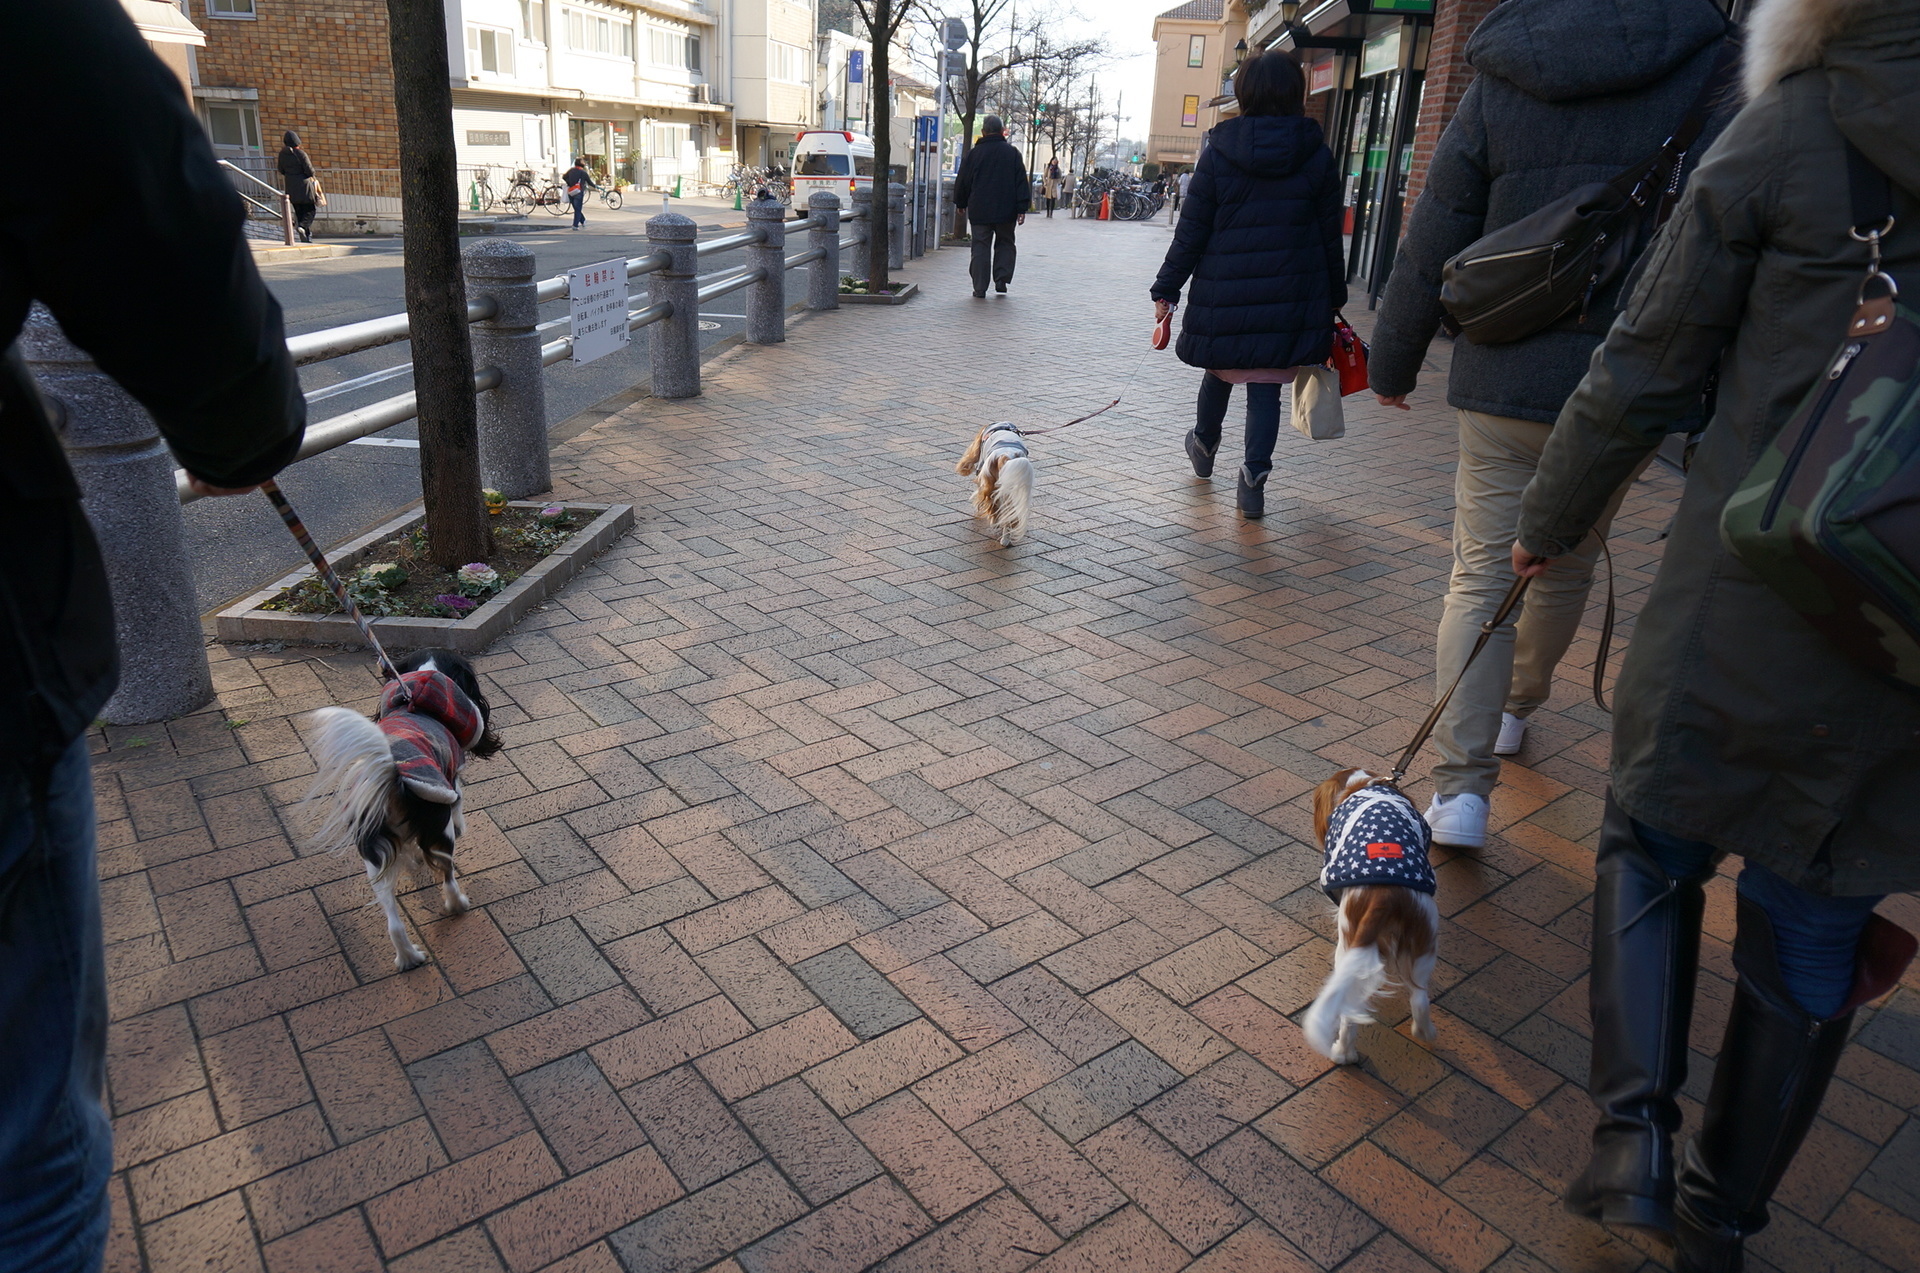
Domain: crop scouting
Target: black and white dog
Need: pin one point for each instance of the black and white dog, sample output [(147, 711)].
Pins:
[(393, 782)]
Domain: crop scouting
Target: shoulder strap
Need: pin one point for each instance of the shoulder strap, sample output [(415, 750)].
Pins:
[(1658, 177), (1870, 190), (1724, 67)]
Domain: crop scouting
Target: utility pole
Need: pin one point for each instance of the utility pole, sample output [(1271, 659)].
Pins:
[(456, 517)]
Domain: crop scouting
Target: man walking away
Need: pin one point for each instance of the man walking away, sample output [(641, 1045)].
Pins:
[(992, 190), (577, 181), (218, 381), (1180, 184), (1568, 92)]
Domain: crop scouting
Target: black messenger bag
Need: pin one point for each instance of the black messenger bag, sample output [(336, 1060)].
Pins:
[(1527, 276)]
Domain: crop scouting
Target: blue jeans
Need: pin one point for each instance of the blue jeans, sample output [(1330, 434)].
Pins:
[(1263, 419), (1816, 939), (56, 1146), (578, 201)]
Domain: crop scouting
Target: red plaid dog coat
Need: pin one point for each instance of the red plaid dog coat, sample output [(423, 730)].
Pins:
[(429, 734)]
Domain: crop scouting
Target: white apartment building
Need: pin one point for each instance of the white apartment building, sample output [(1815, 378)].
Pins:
[(771, 78), (645, 90)]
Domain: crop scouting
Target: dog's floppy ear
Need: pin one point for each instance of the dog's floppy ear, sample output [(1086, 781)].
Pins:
[(971, 460), (1326, 798)]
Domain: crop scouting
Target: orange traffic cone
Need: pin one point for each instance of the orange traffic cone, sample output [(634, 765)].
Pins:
[(1106, 206)]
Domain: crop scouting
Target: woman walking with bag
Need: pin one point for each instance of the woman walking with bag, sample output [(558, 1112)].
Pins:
[(296, 173), (1740, 726), (1050, 185), (1259, 236)]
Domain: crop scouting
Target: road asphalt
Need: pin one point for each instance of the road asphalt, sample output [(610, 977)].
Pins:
[(238, 545)]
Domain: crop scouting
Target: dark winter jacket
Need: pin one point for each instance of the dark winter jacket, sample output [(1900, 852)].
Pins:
[(1259, 235), (295, 167), (1568, 92), (992, 187), (215, 374), (1735, 722)]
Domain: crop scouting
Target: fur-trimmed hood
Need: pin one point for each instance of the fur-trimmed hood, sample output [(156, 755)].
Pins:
[(1871, 52)]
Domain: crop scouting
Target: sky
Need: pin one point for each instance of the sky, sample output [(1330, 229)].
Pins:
[(1128, 28)]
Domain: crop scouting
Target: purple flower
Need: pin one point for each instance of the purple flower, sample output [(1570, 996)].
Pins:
[(454, 602)]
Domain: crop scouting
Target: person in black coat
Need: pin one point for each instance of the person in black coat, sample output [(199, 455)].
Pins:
[(993, 190), (1259, 235), (216, 377), (296, 169)]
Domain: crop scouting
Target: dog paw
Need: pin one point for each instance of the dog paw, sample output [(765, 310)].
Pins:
[(409, 958), (1423, 1029), (1344, 1054), (457, 901)]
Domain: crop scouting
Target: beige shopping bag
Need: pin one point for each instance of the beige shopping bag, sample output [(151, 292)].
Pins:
[(1316, 403)]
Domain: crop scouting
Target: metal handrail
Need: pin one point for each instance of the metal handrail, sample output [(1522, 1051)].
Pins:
[(265, 185), (727, 243), (353, 338), (731, 283)]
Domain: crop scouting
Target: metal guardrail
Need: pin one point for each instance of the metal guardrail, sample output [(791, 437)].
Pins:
[(351, 338)]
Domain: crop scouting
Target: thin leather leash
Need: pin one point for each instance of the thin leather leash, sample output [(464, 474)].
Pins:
[(388, 672), (1034, 433), (1487, 630)]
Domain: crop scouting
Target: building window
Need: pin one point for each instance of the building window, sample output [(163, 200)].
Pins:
[(1190, 111), (668, 47), (234, 130), (591, 33), (693, 53), (489, 50), (786, 62), (533, 20), (230, 8), (1196, 50)]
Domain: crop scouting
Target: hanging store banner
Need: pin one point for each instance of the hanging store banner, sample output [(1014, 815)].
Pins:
[(1321, 76), (598, 298), (1381, 53)]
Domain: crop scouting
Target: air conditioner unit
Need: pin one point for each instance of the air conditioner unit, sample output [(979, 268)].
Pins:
[(703, 92)]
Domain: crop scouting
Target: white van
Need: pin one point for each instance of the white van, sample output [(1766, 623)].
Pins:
[(838, 161)]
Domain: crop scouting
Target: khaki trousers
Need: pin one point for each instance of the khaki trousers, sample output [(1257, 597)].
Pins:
[(1498, 457)]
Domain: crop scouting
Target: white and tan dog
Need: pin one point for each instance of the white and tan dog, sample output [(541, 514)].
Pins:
[(1002, 477), (1378, 874)]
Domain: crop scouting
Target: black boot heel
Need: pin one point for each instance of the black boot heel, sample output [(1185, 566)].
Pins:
[(1200, 454), (1253, 495)]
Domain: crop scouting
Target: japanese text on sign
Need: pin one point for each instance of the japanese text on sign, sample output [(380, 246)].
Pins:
[(598, 294)]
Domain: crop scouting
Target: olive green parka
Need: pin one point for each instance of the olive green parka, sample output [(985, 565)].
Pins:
[(1735, 722)]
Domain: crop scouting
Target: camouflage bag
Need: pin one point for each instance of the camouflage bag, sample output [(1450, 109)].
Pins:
[(1829, 515)]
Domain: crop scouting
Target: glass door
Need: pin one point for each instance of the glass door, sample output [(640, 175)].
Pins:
[(1375, 176)]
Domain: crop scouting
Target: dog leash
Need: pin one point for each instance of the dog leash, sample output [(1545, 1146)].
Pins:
[(1034, 433), (388, 672), (1487, 630)]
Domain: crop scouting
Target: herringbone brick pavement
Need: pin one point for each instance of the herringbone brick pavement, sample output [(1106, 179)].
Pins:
[(855, 893)]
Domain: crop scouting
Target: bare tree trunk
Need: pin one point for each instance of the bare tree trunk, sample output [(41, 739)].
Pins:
[(879, 222), (457, 531)]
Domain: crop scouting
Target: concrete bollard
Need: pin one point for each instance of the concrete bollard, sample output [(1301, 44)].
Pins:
[(862, 234), (823, 275), (896, 225), (127, 487), (676, 340), (767, 299), (513, 417)]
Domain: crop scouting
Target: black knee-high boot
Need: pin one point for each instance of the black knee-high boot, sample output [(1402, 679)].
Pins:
[(1646, 950), (1775, 1063)]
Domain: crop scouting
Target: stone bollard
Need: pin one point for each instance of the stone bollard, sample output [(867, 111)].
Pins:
[(767, 299), (127, 488), (862, 234), (823, 275), (676, 340), (896, 225), (513, 417)]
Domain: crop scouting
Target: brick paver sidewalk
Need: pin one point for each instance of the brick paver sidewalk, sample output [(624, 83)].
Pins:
[(854, 892)]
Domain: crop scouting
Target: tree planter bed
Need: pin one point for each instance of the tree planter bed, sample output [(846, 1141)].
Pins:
[(900, 297), (246, 621)]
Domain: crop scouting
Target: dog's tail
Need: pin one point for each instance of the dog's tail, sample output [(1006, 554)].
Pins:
[(1013, 499), (971, 460), (355, 767), (1359, 973)]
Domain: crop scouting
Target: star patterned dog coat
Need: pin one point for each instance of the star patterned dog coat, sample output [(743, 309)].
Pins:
[(1376, 836), (429, 733)]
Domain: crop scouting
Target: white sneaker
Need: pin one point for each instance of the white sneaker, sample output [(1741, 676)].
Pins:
[(1513, 732), (1459, 821)]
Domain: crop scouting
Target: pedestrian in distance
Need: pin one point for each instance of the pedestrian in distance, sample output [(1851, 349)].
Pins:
[(991, 188), (577, 181), (218, 381), (1050, 185), (296, 175), (1569, 92), (1179, 188), (1259, 237), (1738, 728)]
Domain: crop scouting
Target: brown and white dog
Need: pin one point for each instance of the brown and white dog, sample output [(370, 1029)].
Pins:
[(1002, 479), (1378, 874)]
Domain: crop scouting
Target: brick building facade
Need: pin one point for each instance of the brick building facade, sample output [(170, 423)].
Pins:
[(319, 67), (1448, 75)]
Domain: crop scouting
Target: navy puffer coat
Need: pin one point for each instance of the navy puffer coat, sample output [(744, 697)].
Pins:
[(1259, 235)]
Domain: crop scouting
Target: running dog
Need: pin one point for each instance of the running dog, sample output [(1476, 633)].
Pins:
[(393, 782), (1002, 479), (1378, 874)]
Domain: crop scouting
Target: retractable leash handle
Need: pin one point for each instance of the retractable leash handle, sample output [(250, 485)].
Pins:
[(388, 672), (1487, 630)]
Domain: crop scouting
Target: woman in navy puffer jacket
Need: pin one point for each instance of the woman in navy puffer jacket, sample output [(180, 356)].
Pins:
[(1259, 235)]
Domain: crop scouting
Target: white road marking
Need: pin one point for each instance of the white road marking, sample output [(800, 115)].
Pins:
[(407, 442)]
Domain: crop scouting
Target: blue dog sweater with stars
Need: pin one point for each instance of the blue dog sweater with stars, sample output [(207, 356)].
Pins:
[(1376, 836)]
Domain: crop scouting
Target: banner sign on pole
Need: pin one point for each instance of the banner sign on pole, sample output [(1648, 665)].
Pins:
[(598, 297), (856, 65)]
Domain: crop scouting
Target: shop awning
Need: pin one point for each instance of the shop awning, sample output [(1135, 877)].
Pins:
[(160, 23)]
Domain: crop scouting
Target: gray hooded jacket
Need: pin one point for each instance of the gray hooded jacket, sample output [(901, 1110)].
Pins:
[(1568, 92)]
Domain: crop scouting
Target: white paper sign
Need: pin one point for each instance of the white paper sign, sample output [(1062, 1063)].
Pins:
[(599, 298)]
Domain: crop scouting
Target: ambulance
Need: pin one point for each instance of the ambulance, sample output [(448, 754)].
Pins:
[(841, 162)]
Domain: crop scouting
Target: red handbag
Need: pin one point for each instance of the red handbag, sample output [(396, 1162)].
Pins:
[(1349, 357)]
